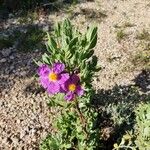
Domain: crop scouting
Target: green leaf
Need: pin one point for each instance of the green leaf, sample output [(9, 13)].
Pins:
[(147, 131), (73, 42), (79, 129), (58, 29), (93, 42), (148, 116), (91, 37), (68, 54), (50, 143), (45, 58), (67, 145), (91, 32), (94, 61), (83, 41), (51, 44), (89, 54), (37, 62)]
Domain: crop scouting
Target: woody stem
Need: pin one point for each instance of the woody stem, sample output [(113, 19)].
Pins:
[(82, 119)]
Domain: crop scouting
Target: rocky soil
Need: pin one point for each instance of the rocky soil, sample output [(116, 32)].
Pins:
[(24, 114)]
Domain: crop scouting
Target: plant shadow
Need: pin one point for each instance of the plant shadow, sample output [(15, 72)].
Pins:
[(116, 108), (143, 81), (40, 6)]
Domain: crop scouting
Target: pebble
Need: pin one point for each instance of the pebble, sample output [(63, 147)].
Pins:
[(15, 140), (6, 52), (12, 57), (11, 68), (3, 60), (22, 134), (18, 121), (23, 73)]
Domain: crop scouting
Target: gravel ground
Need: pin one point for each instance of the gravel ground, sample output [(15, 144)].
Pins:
[(24, 115)]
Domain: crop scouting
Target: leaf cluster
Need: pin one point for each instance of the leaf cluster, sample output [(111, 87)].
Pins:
[(74, 49)]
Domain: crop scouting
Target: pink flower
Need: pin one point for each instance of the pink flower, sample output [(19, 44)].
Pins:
[(73, 88), (52, 78)]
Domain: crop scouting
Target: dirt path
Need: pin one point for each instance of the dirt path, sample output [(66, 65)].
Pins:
[(24, 115)]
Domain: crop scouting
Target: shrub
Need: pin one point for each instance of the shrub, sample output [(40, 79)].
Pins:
[(66, 72), (139, 137)]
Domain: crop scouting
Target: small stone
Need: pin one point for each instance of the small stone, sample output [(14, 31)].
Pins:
[(18, 121), (3, 60), (15, 140), (34, 139), (46, 28), (22, 134), (6, 52), (11, 57), (12, 67), (23, 73), (29, 63)]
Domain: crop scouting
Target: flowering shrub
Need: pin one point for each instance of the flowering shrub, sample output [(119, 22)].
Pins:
[(66, 73)]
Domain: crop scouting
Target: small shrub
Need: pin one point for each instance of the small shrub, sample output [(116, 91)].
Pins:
[(139, 137), (143, 126), (66, 72)]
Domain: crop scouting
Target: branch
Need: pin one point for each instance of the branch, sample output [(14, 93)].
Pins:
[(82, 119)]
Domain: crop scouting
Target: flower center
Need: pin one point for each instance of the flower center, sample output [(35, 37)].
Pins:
[(72, 87), (53, 76)]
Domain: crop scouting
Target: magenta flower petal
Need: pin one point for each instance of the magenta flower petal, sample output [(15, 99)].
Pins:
[(44, 82), (53, 88), (58, 67), (72, 88), (69, 96), (43, 70), (63, 78), (66, 85), (75, 78), (79, 90)]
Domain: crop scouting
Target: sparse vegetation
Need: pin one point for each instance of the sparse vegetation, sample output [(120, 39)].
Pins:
[(121, 35), (142, 59), (144, 35), (92, 14), (32, 39), (126, 24)]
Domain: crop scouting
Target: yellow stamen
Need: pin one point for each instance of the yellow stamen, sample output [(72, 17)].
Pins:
[(72, 87), (53, 76)]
